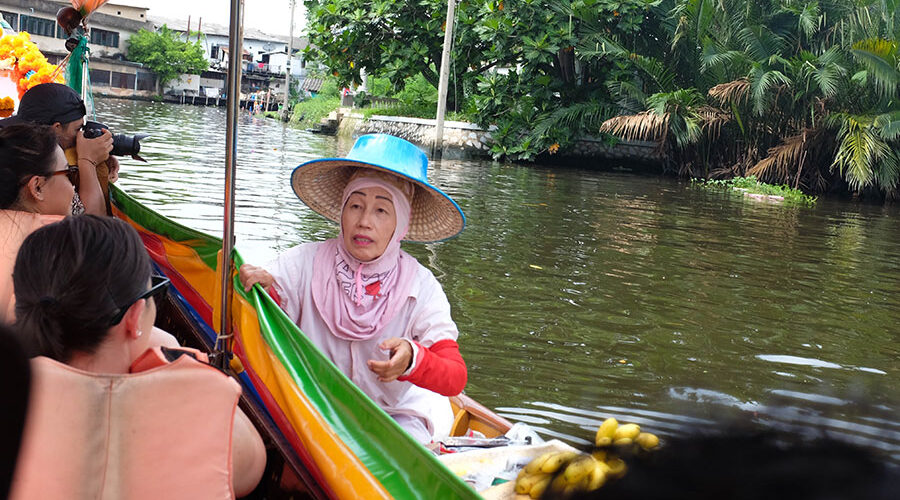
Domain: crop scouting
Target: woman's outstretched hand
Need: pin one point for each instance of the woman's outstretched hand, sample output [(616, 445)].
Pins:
[(401, 358), (251, 275)]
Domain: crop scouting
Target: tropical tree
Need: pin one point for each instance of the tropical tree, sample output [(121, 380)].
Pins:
[(790, 80), (166, 54), (516, 63)]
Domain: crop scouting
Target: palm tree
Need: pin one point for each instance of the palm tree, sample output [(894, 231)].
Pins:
[(797, 92)]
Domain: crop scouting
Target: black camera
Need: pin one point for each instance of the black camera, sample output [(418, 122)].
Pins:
[(123, 145)]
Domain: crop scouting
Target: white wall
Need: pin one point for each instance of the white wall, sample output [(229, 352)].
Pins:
[(189, 84)]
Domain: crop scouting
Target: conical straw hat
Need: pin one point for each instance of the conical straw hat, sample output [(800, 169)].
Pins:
[(434, 216)]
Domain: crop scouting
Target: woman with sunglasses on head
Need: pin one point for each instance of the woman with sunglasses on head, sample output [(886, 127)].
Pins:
[(108, 417), (36, 188)]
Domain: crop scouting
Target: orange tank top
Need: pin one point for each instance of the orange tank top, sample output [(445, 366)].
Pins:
[(15, 226), (161, 433)]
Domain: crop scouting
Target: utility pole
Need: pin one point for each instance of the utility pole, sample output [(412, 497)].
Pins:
[(437, 149), (287, 73)]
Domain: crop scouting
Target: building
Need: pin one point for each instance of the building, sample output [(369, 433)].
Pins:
[(110, 28), (264, 58)]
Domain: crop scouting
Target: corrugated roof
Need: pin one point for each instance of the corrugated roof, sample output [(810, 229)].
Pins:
[(312, 84), (218, 29)]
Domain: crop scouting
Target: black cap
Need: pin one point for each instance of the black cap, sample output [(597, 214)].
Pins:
[(49, 103)]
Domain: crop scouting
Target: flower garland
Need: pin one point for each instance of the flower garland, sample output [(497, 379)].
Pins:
[(27, 66), (7, 105)]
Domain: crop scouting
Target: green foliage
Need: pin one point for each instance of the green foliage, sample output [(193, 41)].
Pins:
[(329, 88), (798, 92), (311, 111), (394, 40), (380, 87), (751, 185), (418, 93), (166, 54)]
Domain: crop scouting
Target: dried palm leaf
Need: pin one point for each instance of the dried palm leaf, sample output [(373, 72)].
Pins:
[(712, 120), (736, 92), (786, 163), (644, 126)]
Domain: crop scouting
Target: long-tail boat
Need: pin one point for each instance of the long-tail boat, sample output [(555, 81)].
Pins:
[(315, 420)]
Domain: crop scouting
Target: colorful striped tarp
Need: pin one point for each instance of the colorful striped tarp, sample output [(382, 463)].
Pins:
[(351, 447)]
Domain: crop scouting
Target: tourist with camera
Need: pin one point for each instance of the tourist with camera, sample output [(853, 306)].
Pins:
[(61, 108)]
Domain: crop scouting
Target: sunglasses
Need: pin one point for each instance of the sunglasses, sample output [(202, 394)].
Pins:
[(71, 172), (158, 286)]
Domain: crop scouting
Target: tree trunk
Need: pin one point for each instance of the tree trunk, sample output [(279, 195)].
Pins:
[(434, 79)]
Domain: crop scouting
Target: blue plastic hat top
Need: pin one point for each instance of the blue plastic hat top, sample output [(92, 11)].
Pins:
[(320, 185)]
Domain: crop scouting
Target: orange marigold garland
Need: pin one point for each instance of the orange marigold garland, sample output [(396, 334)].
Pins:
[(28, 67), (7, 105)]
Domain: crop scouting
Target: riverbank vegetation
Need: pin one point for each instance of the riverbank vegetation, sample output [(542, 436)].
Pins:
[(310, 111), (803, 93), (753, 187)]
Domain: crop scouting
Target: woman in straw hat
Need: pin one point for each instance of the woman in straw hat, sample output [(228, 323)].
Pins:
[(380, 316)]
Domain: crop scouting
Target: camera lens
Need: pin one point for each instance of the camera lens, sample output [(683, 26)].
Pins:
[(125, 145)]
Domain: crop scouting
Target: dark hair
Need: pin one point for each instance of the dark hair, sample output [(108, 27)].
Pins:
[(70, 280), (26, 150)]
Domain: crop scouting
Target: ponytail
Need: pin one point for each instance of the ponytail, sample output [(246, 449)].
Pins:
[(70, 280)]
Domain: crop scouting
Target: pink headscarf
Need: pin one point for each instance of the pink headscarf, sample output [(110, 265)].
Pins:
[(356, 299)]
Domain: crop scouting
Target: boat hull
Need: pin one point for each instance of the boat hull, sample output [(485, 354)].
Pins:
[(321, 427)]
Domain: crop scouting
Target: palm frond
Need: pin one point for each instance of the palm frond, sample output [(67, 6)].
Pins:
[(643, 126), (629, 96), (780, 160), (760, 42), (880, 58), (796, 158), (828, 78), (712, 120), (714, 57), (808, 18), (887, 173), (888, 125), (762, 85), (587, 115), (599, 44), (735, 92), (860, 148)]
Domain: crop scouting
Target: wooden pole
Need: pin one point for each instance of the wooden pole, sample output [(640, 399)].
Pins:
[(235, 46), (438, 146), (287, 73)]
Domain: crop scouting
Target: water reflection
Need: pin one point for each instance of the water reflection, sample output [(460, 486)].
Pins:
[(582, 294)]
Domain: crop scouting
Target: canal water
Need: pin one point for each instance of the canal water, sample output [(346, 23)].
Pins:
[(583, 293)]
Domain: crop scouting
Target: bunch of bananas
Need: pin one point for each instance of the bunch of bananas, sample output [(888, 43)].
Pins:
[(624, 436), (582, 471)]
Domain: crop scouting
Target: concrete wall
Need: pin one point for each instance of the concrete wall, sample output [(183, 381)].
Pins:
[(188, 84), (467, 140)]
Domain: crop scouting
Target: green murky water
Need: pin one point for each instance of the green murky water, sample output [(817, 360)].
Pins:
[(582, 294)]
